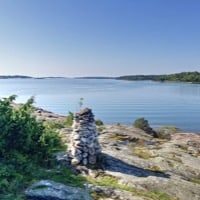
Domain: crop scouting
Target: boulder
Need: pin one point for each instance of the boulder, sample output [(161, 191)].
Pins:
[(50, 190)]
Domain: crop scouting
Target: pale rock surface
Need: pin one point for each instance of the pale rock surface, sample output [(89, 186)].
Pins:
[(50, 190)]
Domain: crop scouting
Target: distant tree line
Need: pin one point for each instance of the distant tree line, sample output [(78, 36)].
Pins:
[(193, 77), (14, 76)]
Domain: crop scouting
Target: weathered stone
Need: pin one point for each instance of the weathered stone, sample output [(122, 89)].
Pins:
[(113, 194), (167, 167), (91, 151), (90, 145), (50, 190), (63, 158), (75, 161), (75, 152), (85, 161), (85, 155), (84, 138), (92, 159), (85, 149), (76, 143), (171, 167)]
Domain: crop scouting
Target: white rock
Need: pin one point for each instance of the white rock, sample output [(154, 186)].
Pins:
[(85, 155), (75, 161), (85, 161), (91, 145), (76, 137), (83, 139)]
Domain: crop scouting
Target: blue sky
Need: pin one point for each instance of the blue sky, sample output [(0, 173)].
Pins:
[(99, 37)]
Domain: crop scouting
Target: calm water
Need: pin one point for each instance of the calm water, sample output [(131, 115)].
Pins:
[(114, 101)]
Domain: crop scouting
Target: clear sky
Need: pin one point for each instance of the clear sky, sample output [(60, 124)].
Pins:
[(99, 37)]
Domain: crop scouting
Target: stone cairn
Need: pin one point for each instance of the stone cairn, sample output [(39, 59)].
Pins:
[(84, 146)]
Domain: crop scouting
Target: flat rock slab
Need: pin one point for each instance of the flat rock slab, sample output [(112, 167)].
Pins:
[(50, 190), (147, 163)]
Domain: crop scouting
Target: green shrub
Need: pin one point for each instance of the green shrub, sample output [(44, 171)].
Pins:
[(118, 124), (21, 132), (141, 123), (99, 122), (69, 120), (54, 125), (100, 129), (196, 180), (26, 149)]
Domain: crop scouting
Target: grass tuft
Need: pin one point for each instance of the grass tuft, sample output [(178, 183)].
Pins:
[(111, 181), (142, 153), (196, 180)]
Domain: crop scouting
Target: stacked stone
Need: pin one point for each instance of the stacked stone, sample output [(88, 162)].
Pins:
[(84, 145)]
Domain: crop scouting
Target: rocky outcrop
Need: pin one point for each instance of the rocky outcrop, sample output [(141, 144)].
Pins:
[(135, 159), (110, 193), (151, 164), (44, 115), (84, 145), (50, 190)]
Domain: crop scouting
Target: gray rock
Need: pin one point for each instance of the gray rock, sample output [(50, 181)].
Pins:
[(92, 159), (85, 155), (113, 193), (85, 161), (171, 167), (84, 138), (63, 158), (75, 161), (50, 190), (91, 151), (166, 166)]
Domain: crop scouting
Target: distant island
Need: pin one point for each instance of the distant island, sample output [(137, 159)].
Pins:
[(14, 76), (27, 77), (192, 77)]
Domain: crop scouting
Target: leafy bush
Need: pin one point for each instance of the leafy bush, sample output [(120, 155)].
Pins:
[(141, 123), (26, 148), (193, 77), (69, 120), (54, 124), (99, 122), (15, 178), (118, 124), (21, 132)]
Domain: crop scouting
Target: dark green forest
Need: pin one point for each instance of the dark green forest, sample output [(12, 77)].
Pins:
[(193, 77)]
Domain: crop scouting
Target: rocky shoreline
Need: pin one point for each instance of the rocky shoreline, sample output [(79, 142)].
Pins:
[(137, 160)]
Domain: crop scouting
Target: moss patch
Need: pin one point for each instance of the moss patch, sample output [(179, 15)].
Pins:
[(155, 168), (100, 128), (196, 180), (142, 153), (111, 181), (118, 137), (183, 147)]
